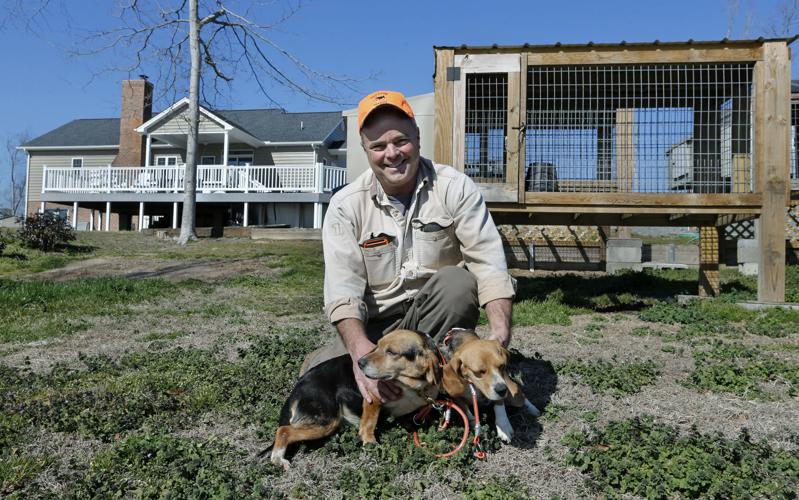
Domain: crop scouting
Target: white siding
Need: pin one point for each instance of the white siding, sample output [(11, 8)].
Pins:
[(293, 156), (179, 124)]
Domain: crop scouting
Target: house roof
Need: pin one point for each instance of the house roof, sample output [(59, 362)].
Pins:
[(269, 125), (83, 132)]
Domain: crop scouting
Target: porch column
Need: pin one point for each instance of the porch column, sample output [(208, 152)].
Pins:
[(225, 148), (75, 215), (246, 213), (41, 207), (147, 151), (317, 215), (91, 220), (107, 215), (175, 215), (141, 215)]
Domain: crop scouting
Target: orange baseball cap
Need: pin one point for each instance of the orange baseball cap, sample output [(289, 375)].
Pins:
[(382, 98)]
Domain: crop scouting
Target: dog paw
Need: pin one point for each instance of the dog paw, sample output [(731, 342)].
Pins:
[(282, 462), (532, 408), (505, 433)]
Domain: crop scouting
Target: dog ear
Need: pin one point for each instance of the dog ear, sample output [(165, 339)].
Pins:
[(515, 396), (452, 382), (434, 370)]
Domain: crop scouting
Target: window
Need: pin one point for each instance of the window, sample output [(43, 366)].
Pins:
[(239, 158), (166, 160), (208, 160), (77, 162)]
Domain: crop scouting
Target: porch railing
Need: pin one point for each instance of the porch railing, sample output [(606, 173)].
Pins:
[(317, 178)]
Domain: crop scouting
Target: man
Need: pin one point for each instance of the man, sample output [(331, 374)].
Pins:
[(396, 241)]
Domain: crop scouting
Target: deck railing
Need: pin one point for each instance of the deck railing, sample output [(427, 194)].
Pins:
[(317, 178)]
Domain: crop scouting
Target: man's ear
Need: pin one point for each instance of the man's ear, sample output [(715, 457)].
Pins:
[(452, 382)]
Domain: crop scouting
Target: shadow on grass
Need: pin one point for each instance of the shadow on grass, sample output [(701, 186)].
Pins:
[(608, 293), (14, 256), (72, 249), (540, 381)]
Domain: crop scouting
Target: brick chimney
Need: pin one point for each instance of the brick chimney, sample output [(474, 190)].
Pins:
[(137, 108)]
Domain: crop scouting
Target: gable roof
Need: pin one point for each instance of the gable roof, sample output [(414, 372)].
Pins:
[(268, 125), (83, 132)]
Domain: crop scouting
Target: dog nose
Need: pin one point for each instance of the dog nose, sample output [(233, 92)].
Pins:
[(501, 390), (362, 362)]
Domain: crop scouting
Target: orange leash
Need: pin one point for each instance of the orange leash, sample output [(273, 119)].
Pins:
[(446, 405)]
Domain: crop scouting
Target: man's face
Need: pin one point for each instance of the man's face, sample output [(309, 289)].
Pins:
[(391, 143)]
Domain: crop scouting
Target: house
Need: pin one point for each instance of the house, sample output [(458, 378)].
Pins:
[(255, 166)]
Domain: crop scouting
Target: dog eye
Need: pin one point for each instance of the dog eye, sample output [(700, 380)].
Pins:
[(479, 373), (390, 352)]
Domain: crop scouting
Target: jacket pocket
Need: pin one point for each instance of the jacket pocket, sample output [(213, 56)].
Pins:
[(434, 243), (380, 262)]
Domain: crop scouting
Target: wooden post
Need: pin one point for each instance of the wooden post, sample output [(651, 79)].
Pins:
[(709, 261), (444, 105), (772, 131), (625, 149)]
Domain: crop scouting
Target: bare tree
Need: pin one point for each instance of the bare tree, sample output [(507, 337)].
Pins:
[(15, 159), (206, 43)]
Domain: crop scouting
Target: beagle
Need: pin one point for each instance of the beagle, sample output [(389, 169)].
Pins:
[(483, 363), (328, 393)]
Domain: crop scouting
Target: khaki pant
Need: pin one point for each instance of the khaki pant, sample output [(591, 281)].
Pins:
[(447, 300)]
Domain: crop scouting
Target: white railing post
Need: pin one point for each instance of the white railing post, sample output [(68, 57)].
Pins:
[(108, 180), (320, 178), (247, 178), (44, 178), (177, 175)]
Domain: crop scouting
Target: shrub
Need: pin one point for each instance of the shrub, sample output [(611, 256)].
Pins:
[(44, 231)]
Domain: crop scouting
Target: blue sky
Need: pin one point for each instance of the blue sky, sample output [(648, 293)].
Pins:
[(384, 45)]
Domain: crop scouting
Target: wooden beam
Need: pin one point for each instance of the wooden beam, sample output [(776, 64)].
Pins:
[(622, 55), (709, 261), (443, 102), (772, 130), (672, 202)]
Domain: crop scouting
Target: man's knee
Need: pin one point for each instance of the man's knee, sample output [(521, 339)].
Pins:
[(454, 288), (457, 280)]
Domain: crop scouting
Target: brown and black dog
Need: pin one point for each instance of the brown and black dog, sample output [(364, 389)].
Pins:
[(328, 393), (482, 363)]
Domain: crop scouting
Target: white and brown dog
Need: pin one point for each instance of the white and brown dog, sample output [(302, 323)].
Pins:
[(482, 363)]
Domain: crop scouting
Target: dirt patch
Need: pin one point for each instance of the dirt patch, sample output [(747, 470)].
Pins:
[(169, 269)]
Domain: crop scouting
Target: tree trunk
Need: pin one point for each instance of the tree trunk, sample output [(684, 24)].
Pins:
[(189, 219)]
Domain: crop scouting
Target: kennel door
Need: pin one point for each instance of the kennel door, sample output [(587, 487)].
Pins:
[(486, 123)]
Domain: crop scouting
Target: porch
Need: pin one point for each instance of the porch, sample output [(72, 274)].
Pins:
[(316, 178), (239, 193)]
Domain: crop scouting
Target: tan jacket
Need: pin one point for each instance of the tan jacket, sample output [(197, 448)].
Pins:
[(373, 282)]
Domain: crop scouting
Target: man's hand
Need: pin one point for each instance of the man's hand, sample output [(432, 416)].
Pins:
[(499, 313), (353, 335)]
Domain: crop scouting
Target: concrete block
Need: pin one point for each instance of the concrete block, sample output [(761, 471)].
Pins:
[(748, 251), (748, 268), (261, 233), (624, 250), (686, 254)]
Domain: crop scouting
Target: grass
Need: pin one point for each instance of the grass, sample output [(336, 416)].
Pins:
[(741, 370), (645, 458), (614, 377), (163, 420), (33, 310)]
